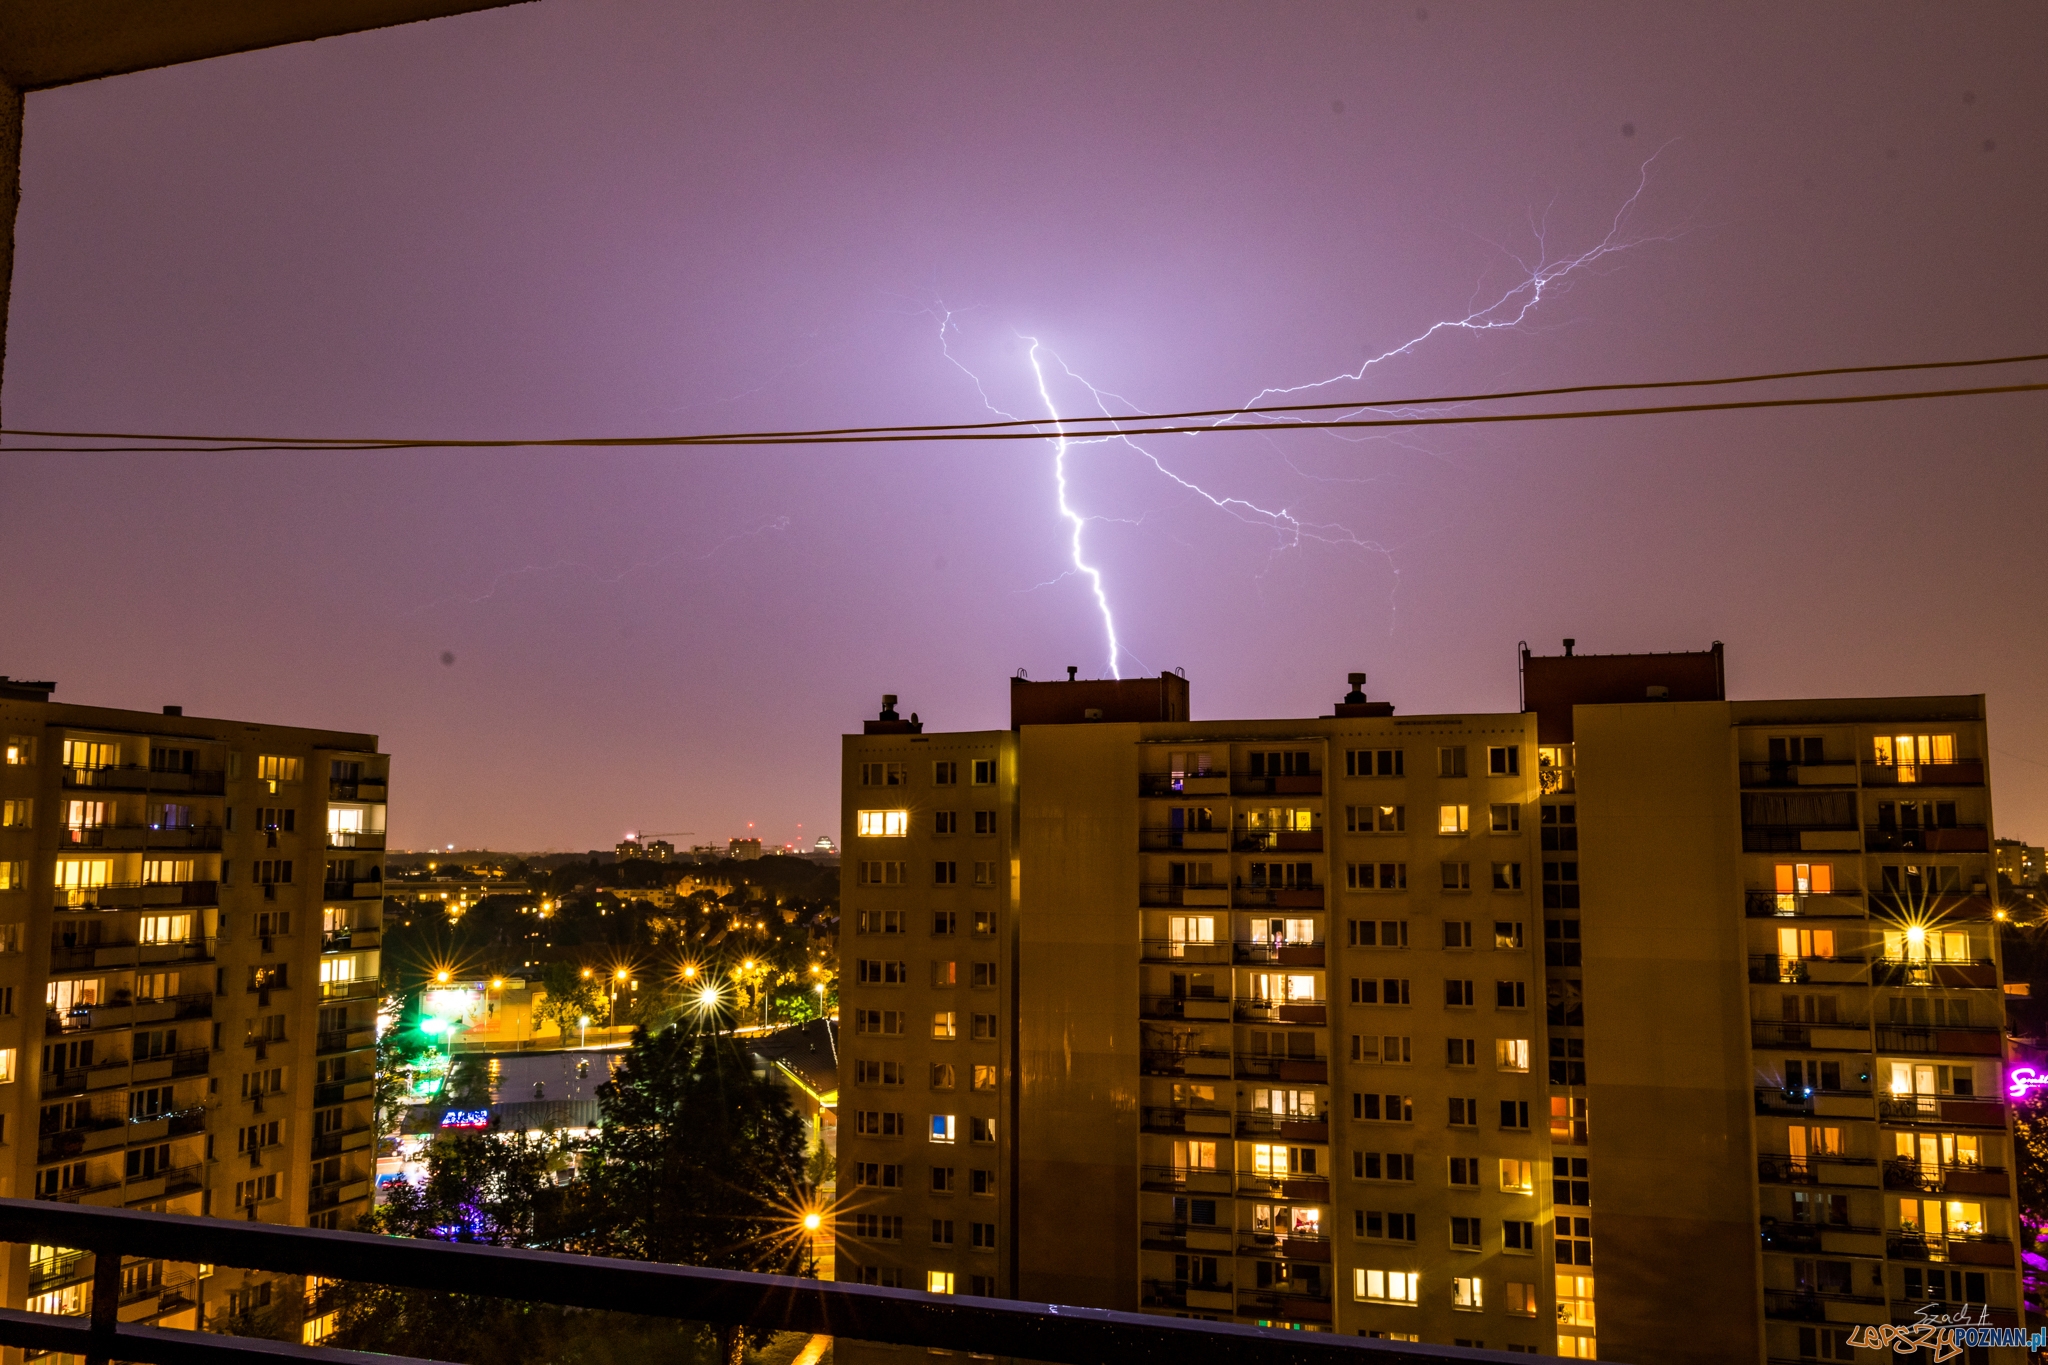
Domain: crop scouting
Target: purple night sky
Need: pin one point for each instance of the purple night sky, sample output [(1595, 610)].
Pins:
[(628, 218)]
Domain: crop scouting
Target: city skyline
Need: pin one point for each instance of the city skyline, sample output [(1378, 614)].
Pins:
[(772, 222)]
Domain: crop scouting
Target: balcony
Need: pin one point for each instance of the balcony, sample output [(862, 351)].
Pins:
[(139, 837), (1967, 1112), (352, 891), (1842, 838), (1280, 954), (135, 778), (1310, 1247), (1215, 782), (1850, 1035), (355, 838), (1278, 841), (1979, 973), (1968, 1249), (1287, 1307), (1969, 773), (330, 1041), (1840, 773), (1306, 1013), (1777, 1168), (1208, 1008), (1944, 1041), (1156, 840), (1944, 839), (1773, 1100), (1186, 1179), (1298, 784), (1168, 1119), (1201, 895), (1195, 1296), (1179, 951), (371, 789), (1286, 1127), (1194, 1061), (1806, 1305), (1900, 1174), (1276, 897), (1776, 969), (1314, 1070), (136, 896), (1842, 904)]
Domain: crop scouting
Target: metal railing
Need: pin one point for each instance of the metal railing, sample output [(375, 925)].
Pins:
[(727, 1298)]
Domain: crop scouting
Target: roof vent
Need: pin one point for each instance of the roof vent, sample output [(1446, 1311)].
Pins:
[(1356, 696), (1071, 671), (1568, 643), (888, 707)]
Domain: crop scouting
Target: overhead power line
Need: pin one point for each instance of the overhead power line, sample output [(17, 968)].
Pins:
[(1089, 427)]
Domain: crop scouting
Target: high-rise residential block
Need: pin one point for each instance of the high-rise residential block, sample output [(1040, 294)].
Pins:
[(1509, 1029), (198, 906)]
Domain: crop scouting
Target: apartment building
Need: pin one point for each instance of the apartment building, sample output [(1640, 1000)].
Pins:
[(1544, 1031), (198, 903), (927, 1009)]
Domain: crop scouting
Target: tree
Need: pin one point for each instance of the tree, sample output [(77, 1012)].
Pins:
[(698, 1162), (497, 1188), (392, 1089), (570, 996)]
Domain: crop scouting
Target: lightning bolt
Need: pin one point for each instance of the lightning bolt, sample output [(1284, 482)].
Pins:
[(1078, 522), (1509, 309)]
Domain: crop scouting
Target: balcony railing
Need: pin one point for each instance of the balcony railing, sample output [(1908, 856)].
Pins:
[(726, 1298), (1959, 1040), (1806, 1305), (352, 891), (1775, 967), (1200, 1007), (355, 838), (1968, 773), (1900, 1174), (1204, 895), (1177, 951), (360, 789), (1978, 972), (1795, 838), (1777, 1168), (1156, 840), (1943, 839), (1840, 773), (1175, 1061), (1314, 1069), (1246, 897), (1967, 1111), (136, 895), (1851, 1035), (129, 777), (1172, 1119), (1846, 903), (1282, 954), (1295, 784), (1211, 783), (139, 836), (1308, 1013), (1278, 841)]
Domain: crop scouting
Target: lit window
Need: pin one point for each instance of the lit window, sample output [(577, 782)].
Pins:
[(942, 1128), (939, 1282), (882, 824), (7, 1056), (943, 1026), (1452, 819), (18, 814), (1521, 1299), (1468, 1292), (1511, 1054), (1385, 1286)]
